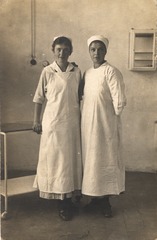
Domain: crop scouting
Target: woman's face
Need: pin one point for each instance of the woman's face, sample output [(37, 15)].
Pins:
[(61, 53), (97, 53)]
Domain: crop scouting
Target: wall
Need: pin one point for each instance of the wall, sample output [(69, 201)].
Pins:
[(78, 20)]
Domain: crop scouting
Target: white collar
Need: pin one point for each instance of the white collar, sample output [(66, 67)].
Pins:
[(56, 68)]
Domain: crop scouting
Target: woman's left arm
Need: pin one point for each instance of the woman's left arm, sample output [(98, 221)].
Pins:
[(81, 89), (117, 89)]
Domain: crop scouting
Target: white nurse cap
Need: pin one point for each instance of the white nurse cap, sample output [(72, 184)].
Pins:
[(98, 38)]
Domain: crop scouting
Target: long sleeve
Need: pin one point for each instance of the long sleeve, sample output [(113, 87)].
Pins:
[(39, 96), (117, 90)]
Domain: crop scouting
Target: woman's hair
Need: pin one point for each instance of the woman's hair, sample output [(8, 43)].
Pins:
[(62, 40)]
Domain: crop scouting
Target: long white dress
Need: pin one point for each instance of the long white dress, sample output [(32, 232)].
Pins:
[(103, 102), (59, 167)]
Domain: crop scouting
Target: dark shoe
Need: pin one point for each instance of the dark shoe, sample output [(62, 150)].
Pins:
[(65, 209), (106, 207)]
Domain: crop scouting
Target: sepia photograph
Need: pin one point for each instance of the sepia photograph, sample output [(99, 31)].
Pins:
[(78, 119)]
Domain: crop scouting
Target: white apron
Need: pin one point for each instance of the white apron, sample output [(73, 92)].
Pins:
[(59, 168), (103, 101)]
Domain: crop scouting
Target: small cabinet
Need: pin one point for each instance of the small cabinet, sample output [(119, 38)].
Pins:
[(142, 50)]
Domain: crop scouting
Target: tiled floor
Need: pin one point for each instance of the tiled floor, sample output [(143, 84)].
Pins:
[(135, 216)]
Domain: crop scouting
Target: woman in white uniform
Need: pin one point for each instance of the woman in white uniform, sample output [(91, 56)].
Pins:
[(59, 170), (103, 102)]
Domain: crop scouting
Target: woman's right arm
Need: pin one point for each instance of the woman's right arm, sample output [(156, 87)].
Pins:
[(37, 127)]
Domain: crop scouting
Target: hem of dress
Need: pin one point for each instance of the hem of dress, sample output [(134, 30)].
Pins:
[(59, 196), (104, 194)]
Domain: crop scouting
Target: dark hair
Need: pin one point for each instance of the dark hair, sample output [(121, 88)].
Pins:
[(63, 40)]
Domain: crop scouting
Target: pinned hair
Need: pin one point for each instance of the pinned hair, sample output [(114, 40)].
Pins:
[(62, 40)]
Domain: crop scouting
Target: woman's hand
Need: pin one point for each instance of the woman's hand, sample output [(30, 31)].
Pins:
[(37, 127)]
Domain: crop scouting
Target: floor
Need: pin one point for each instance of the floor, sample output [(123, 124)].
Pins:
[(135, 216)]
